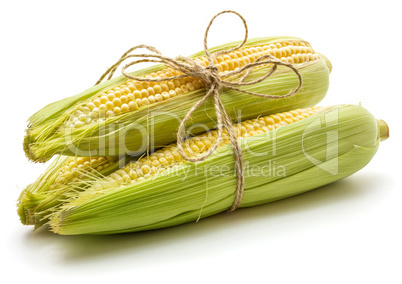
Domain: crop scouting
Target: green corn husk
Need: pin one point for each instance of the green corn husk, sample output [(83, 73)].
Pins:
[(128, 133), (327, 146), (46, 194)]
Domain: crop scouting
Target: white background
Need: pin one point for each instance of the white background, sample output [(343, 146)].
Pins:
[(346, 232)]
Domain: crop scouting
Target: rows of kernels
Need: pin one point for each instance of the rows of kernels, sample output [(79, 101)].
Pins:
[(130, 96), (75, 167), (170, 156), (133, 94), (291, 52)]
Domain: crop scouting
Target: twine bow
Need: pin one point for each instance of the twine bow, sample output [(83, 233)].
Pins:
[(214, 82)]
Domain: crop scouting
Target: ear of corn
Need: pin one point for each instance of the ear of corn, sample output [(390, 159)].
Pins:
[(117, 117), (285, 154), (65, 175)]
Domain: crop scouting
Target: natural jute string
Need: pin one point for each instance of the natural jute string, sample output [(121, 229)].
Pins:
[(213, 82)]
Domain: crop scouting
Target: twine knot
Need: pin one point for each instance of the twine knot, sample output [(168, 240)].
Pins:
[(214, 82), (209, 74)]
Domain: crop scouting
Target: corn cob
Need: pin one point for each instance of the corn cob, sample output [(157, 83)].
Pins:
[(64, 176), (285, 154), (117, 116)]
